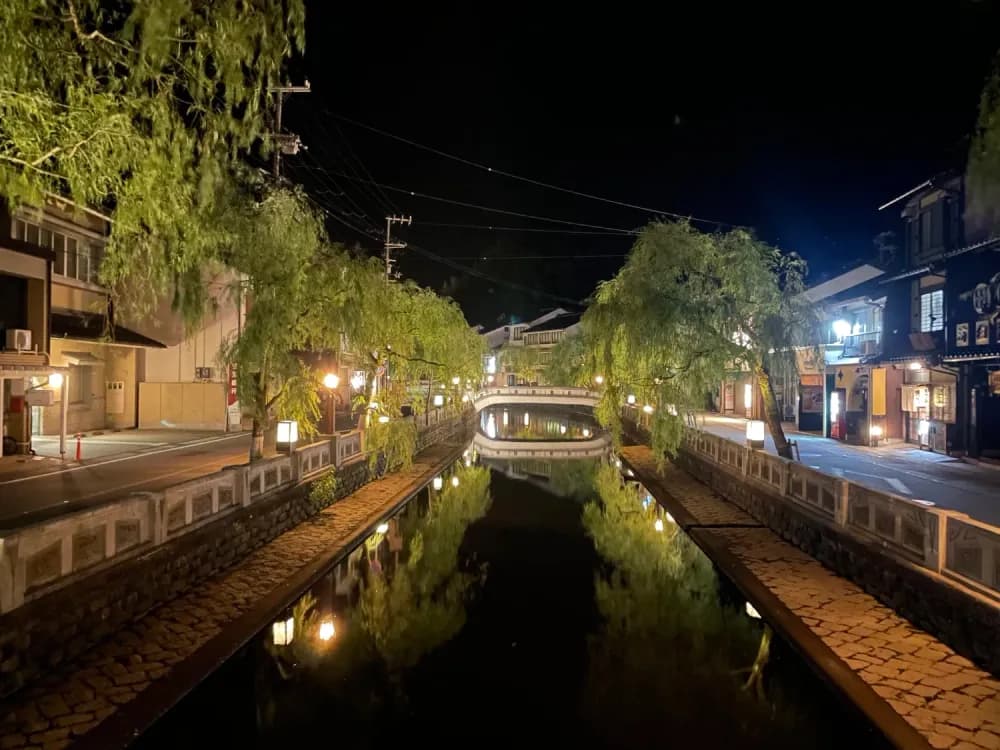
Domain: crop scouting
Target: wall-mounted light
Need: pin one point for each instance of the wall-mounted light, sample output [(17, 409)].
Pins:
[(331, 380), (747, 395), (438, 483), (752, 611), (841, 328), (916, 366), (55, 380), (382, 528), (454, 481)]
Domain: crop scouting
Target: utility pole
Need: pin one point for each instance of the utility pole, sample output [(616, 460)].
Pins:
[(284, 143), (389, 244)]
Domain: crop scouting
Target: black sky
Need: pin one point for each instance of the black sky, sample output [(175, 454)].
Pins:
[(798, 122)]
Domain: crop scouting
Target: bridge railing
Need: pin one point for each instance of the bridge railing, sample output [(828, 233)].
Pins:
[(945, 542), (538, 391)]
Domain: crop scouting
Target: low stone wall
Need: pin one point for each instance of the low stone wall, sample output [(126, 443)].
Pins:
[(42, 633), (961, 618)]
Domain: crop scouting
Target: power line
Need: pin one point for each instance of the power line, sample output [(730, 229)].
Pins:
[(541, 257), (492, 228), (529, 180), (479, 274), (324, 175), (476, 206)]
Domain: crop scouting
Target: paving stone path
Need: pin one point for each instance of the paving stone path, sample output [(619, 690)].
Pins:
[(949, 700), (71, 702)]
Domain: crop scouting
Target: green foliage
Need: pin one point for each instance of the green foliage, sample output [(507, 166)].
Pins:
[(686, 308), (393, 443), (139, 108), (324, 489), (422, 605), (983, 194), (568, 363), (523, 361)]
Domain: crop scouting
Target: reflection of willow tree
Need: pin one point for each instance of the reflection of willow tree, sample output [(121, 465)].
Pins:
[(573, 478), (666, 642), (361, 675)]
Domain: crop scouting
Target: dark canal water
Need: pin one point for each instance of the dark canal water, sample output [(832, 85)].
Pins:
[(521, 602)]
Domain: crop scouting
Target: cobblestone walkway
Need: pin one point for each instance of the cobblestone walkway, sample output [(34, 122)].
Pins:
[(71, 702), (949, 700)]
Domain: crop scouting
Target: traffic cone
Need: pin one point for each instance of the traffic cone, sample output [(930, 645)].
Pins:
[(79, 451)]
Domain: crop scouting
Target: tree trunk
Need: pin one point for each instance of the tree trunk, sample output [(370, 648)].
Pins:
[(260, 405), (771, 414)]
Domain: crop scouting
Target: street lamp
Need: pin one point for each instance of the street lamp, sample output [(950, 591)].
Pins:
[(330, 381), (56, 380)]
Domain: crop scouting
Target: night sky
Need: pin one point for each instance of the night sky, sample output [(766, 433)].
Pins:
[(798, 124)]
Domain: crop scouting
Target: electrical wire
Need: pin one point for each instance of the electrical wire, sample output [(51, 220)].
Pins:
[(476, 206), (336, 190), (542, 230), (529, 180), (589, 256)]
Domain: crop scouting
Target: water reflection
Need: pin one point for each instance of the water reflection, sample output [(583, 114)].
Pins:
[(600, 624), (548, 423)]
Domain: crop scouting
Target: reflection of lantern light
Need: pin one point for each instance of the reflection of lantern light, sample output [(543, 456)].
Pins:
[(438, 483), (586, 432), (506, 417), (491, 426), (658, 524), (747, 395), (383, 419), (454, 481), (752, 611), (527, 419), (326, 630), (562, 429), (382, 528), (283, 632)]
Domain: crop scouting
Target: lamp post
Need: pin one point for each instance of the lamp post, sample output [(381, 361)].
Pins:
[(330, 381)]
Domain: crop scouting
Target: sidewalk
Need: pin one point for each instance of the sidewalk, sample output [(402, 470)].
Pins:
[(900, 468), (36, 488)]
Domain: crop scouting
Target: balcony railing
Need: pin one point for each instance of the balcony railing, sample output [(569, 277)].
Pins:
[(862, 344)]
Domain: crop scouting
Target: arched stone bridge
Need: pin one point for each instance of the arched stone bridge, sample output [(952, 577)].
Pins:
[(492, 448), (536, 394)]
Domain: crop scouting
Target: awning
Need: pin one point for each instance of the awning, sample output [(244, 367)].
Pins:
[(94, 327), (81, 358)]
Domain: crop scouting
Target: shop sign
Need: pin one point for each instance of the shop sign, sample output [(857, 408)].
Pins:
[(921, 398), (995, 382)]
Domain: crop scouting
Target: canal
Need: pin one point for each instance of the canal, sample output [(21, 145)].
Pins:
[(523, 601)]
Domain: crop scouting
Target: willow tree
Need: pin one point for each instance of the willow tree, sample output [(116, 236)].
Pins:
[(301, 293), (686, 308), (417, 340), (138, 108)]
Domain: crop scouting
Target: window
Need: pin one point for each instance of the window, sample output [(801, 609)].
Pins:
[(932, 311), (75, 258)]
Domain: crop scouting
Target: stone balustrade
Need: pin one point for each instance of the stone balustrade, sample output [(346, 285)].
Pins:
[(945, 542), (41, 558)]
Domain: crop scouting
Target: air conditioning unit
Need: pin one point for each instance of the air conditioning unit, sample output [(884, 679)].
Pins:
[(18, 339)]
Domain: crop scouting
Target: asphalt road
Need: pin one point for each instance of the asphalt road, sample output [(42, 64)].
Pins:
[(903, 470), (52, 488)]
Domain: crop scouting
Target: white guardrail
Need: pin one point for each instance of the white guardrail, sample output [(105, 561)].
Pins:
[(40, 558), (946, 542)]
